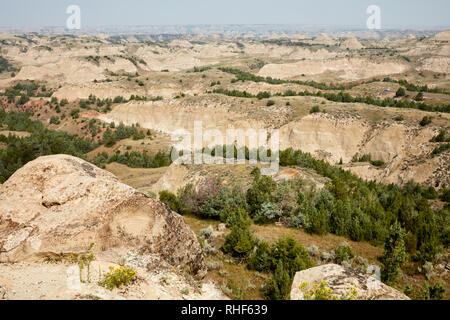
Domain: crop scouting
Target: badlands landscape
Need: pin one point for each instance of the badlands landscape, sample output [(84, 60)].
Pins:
[(93, 206)]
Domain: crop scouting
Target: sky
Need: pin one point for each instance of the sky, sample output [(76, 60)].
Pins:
[(333, 13)]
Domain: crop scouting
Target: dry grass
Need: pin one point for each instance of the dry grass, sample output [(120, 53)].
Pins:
[(19, 134), (271, 234), (140, 179)]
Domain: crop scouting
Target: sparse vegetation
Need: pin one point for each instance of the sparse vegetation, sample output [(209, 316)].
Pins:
[(252, 228), (320, 291), (315, 109), (345, 97), (425, 121), (400, 92), (394, 255), (134, 159), (5, 66), (42, 141), (117, 277)]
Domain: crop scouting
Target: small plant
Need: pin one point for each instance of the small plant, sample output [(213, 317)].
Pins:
[(441, 137), (269, 212), (425, 121), (313, 250), (431, 292), (419, 96), (442, 148), (206, 233), (118, 277), (270, 103), (233, 290), (75, 113), (315, 109), (320, 291), (54, 120), (343, 252), (84, 261), (185, 291)]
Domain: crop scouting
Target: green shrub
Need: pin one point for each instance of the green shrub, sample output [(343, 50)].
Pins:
[(263, 95), (170, 200), (260, 192), (431, 292), (287, 250), (270, 103), (261, 260), (343, 252), (317, 221), (400, 92), (442, 148), (430, 193), (419, 96), (268, 213), (227, 200), (315, 109), (75, 113), (279, 286), (425, 121), (54, 120), (138, 136), (378, 163), (410, 243), (394, 255), (445, 196), (441, 137), (239, 242), (292, 253)]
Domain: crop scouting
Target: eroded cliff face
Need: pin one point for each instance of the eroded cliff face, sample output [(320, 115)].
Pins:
[(61, 204), (404, 147)]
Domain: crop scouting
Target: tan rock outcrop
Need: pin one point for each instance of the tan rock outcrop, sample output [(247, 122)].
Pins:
[(442, 36), (351, 43), (61, 204), (341, 281)]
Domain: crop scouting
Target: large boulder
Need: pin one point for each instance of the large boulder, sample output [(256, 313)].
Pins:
[(342, 281), (61, 204)]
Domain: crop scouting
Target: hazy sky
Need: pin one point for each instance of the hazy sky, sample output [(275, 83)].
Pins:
[(95, 13)]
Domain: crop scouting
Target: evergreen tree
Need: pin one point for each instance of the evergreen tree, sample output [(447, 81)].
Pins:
[(239, 242), (394, 255), (279, 286)]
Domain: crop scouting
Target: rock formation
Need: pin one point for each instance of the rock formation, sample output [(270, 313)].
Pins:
[(442, 36), (341, 281), (351, 43), (61, 204), (324, 39)]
